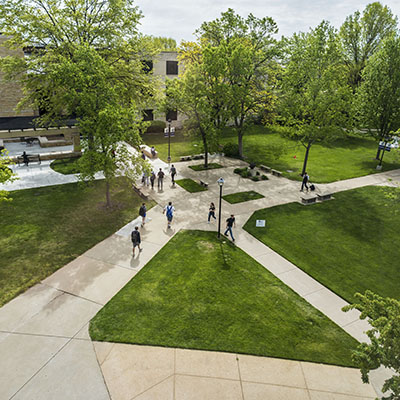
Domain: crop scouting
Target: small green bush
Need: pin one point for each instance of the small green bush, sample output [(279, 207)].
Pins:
[(156, 127), (264, 177), (255, 178), (231, 150)]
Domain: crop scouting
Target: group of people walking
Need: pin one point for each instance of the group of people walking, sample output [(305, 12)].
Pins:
[(149, 180), (169, 211)]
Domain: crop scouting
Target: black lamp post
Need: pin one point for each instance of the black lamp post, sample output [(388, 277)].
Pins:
[(220, 183), (169, 132)]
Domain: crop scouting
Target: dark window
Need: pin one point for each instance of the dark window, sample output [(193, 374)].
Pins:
[(147, 66), (172, 115), (148, 115), (172, 67)]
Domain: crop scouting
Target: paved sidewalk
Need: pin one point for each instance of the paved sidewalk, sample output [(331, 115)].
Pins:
[(44, 342)]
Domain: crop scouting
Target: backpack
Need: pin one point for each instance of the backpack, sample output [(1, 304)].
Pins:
[(173, 170), (169, 211), (135, 236), (161, 175), (142, 211)]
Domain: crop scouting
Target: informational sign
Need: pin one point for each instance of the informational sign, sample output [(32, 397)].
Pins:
[(260, 223), (165, 132)]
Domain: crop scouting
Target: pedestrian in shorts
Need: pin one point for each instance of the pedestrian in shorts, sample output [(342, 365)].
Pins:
[(169, 212), (135, 237), (142, 213)]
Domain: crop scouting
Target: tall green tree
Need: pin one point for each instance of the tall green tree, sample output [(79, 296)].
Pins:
[(246, 59), (86, 58), (378, 98), (383, 314), (361, 35), (314, 95)]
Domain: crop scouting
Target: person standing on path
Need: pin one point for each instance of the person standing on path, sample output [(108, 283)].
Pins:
[(304, 182), (169, 212), (142, 213), (135, 237), (173, 173), (230, 223), (152, 179), (160, 179), (211, 212)]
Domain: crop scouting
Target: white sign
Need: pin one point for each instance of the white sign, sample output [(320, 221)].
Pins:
[(260, 223)]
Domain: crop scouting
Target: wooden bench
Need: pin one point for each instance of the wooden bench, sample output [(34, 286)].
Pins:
[(324, 196), (204, 184), (31, 158), (140, 193), (311, 199), (276, 173), (198, 157), (265, 168), (186, 158), (147, 153)]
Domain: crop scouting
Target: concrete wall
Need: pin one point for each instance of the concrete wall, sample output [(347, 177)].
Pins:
[(10, 91)]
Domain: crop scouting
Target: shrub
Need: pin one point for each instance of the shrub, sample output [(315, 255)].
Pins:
[(255, 178), (264, 177), (231, 150), (156, 127)]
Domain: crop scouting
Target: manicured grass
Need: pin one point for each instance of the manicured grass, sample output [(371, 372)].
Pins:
[(348, 244), (200, 167), (43, 229), (242, 196), (343, 159), (202, 293), (66, 166), (190, 185)]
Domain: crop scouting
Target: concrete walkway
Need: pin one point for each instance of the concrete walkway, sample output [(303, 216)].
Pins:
[(47, 353)]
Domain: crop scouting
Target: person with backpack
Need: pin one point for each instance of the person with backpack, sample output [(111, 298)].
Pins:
[(152, 179), (142, 213), (135, 237), (304, 182), (173, 173), (230, 222), (160, 179), (211, 212), (169, 212)]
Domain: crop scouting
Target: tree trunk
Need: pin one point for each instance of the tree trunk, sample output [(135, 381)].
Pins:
[(378, 153), (205, 146), (306, 159), (240, 143), (108, 199)]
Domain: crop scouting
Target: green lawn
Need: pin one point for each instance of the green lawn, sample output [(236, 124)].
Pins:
[(348, 244), (200, 167), (190, 185), (242, 197), (66, 166), (201, 293), (43, 229), (343, 159)]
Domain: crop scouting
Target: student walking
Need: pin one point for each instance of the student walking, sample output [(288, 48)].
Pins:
[(142, 213), (169, 212), (304, 182), (135, 237), (173, 173), (152, 179), (160, 179), (211, 212), (230, 223)]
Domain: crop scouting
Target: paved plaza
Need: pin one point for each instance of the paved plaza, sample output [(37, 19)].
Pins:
[(47, 352)]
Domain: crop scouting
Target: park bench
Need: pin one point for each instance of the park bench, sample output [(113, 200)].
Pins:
[(186, 158), (140, 193), (198, 156), (204, 184), (1, 144), (324, 196), (265, 168), (308, 199), (276, 173), (31, 158)]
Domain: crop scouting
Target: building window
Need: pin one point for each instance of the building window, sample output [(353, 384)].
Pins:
[(148, 115), (147, 66), (172, 115), (172, 67)]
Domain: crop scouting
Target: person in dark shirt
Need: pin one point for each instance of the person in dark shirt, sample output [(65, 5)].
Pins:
[(230, 223), (135, 237), (211, 212)]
